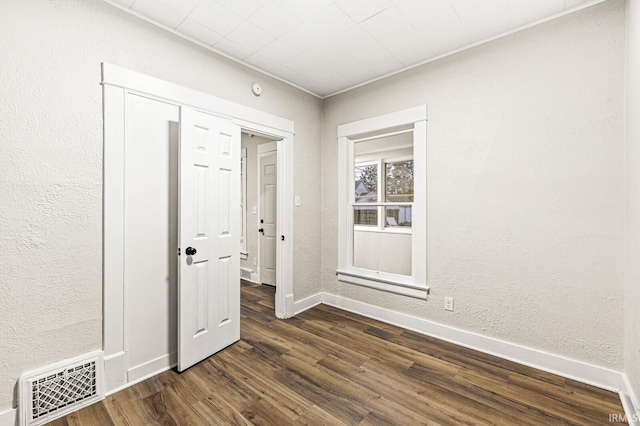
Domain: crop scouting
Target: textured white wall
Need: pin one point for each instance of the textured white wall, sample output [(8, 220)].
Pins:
[(632, 229), (525, 185), (51, 165)]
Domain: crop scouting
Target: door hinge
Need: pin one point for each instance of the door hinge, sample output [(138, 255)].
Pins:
[(178, 251)]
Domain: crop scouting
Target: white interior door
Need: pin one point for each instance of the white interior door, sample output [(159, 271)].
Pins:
[(267, 163), (209, 262)]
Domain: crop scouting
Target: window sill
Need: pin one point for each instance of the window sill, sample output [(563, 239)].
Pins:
[(389, 286), (386, 230)]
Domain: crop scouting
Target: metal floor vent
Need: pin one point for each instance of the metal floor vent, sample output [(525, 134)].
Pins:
[(245, 273), (60, 389)]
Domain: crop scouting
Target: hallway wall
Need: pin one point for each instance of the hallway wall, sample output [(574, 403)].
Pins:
[(51, 165)]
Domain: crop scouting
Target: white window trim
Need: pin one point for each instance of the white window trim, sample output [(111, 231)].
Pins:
[(416, 284)]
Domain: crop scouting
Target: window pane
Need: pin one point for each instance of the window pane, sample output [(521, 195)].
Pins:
[(382, 251), (398, 216), (366, 183), (365, 216), (399, 177)]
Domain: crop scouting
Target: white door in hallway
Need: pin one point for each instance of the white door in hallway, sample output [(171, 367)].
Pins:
[(209, 261), (267, 163)]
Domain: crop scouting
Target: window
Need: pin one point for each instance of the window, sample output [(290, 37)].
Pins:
[(389, 197), (382, 190)]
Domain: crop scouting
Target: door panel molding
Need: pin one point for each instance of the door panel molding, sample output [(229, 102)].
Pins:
[(209, 279)]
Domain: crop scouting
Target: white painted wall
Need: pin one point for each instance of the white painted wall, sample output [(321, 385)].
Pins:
[(51, 165), (251, 143), (525, 185), (632, 223)]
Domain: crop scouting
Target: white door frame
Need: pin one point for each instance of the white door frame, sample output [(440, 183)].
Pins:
[(116, 83), (264, 149)]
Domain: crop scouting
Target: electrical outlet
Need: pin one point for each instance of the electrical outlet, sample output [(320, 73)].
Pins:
[(448, 303)]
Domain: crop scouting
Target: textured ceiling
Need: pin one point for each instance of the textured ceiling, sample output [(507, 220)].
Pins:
[(328, 46)]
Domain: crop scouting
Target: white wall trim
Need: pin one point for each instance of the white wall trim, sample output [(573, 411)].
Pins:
[(415, 284), (384, 121), (138, 380), (556, 364), (114, 75), (300, 306), (390, 287), (9, 417), (630, 402), (117, 82), (153, 367), (115, 371)]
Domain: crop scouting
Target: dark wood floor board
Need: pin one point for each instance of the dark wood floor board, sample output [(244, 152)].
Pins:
[(305, 338), (391, 383), (166, 407), (265, 413), (535, 406), (287, 400), (332, 367), (585, 401), (314, 416), (307, 386), (217, 411), (359, 342), (351, 390), (491, 399), (439, 399), (126, 408), (94, 415), (235, 391)]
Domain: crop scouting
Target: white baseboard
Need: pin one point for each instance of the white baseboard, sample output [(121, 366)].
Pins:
[(140, 379), (566, 367), (151, 368), (115, 371), (630, 402), (118, 378), (9, 417), (307, 303), (288, 305)]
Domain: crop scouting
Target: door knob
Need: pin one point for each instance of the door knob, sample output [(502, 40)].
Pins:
[(190, 251), (261, 230)]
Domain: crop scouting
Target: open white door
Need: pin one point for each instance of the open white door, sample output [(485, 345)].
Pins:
[(267, 164), (209, 261)]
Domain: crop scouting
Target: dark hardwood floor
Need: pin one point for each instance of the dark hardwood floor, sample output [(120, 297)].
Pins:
[(330, 367)]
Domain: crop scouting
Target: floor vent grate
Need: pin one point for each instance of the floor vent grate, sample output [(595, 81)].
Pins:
[(245, 273), (58, 390)]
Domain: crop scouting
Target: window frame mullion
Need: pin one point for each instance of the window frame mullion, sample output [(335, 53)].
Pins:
[(381, 194)]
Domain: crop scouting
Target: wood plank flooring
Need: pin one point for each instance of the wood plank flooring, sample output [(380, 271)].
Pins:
[(330, 367)]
